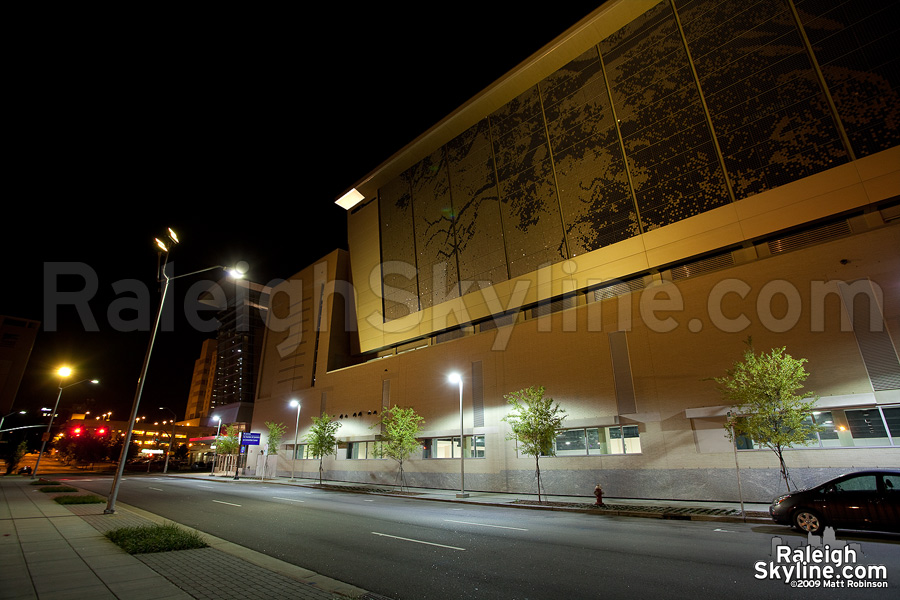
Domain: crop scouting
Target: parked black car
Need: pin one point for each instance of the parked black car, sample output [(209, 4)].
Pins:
[(861, 500)]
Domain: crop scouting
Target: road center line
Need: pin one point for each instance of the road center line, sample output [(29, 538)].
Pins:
[(485, 525), (289, 499), (228, 503), (417, 541)]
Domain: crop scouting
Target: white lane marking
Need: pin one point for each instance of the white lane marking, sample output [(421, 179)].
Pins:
[(723, 530), (485, 525), (157, 489), (228, 503), (290, 499), (368, 501), (416, 541), (208, 487)]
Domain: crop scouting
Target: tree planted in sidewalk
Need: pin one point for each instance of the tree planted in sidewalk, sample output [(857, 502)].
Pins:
[(767, 406), (534, 420), (321, 439), (228, 442), (275, 435), (400, 428)]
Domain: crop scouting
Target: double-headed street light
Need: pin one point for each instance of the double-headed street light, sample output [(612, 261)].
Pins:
[(457, 378), (63, 372), (296, 432), (164, 248)]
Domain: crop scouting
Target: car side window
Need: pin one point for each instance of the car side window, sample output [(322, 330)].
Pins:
[(892, 484), (863, 483)]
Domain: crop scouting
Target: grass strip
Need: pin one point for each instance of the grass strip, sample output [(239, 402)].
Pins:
[(155, 538), (44, 482), (85, 499), (62, 488)]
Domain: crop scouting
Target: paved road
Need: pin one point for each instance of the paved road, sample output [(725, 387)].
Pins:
[(404, 548)]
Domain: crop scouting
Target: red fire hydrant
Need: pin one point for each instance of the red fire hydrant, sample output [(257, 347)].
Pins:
[(598, 493)]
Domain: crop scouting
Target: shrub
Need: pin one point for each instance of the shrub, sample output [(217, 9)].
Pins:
[(155, 538), (61, 488), (84, 499)]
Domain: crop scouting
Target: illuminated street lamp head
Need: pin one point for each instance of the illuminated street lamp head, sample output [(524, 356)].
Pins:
[(295, 403), (217, 418), (454, 378), (64, 371), (162, 245)]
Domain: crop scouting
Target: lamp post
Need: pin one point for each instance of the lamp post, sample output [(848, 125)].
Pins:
[(164, 259), (215, 451), (63, 372), (457, 378), (3, 418), (296, 432), (171, 438)]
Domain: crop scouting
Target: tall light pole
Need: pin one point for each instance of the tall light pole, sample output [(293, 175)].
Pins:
[(457, 378), (63, 372), (164, 259), (296, 432), (3, 418), (215, 451), (171, 438)]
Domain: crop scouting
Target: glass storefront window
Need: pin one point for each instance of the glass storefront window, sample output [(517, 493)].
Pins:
[(593, 441), (874, 426), (449, 447)]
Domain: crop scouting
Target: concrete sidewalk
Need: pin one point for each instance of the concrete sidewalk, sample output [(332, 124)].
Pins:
[(51, 551)]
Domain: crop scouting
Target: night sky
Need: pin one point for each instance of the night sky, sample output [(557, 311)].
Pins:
[(236, 129)]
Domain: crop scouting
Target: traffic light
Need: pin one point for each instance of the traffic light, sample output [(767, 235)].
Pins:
[(76, 431), (101, 431)]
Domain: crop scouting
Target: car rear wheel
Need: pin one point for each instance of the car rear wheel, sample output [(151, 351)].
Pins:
[(808, 521)]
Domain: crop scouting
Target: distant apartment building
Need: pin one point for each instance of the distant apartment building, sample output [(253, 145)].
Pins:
[(200, 397), (229, 386)]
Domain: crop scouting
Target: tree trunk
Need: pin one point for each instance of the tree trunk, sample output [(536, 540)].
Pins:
[(320, 470), (784, 471), (537, 473)]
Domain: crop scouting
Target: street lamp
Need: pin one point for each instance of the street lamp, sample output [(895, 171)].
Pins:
[(296, 432), (457, 378), (171, 438), (164, 248), (215, 450), (63, 372), (3, 418)]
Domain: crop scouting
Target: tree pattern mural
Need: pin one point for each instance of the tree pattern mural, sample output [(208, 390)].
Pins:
[(694, 104)]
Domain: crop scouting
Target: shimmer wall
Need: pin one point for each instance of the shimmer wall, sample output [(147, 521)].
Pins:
[(695, 104)]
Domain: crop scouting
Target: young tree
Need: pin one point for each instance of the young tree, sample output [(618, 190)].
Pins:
[(321, 439), (399, 435), (229, 442), (276, 433), (535, 422), (766, 406)]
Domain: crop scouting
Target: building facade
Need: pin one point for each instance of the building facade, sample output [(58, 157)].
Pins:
[(611, 220), (200, 397)]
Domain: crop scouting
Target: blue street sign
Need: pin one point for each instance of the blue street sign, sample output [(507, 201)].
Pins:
[(249, 439)]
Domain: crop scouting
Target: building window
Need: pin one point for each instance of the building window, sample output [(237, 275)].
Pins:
[(361, 450), (449, 447), (596, 441), (865, 427)]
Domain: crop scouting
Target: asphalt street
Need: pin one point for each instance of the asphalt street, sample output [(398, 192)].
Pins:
[(409, 549)]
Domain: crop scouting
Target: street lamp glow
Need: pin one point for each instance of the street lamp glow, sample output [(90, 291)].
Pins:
[(457, 378), (63, 372), (215, 448), (292, 404)]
